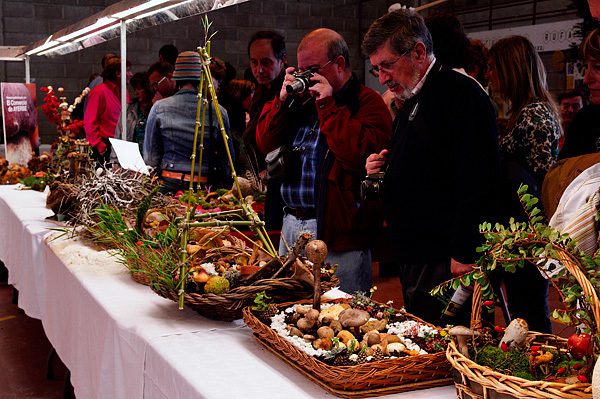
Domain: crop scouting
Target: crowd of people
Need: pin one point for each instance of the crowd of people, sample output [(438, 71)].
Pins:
[(443, 157)]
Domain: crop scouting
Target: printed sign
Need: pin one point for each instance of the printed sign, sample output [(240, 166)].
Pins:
[(19, 117), (545, 37)]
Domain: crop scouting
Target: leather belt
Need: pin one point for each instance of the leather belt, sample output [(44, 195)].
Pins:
[(182, 176), (301, 213)]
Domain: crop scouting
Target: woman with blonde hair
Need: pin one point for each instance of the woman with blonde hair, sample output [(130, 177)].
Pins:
[(518, 75), (529, 148)]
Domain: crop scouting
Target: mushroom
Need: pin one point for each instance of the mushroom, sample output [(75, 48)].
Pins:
[(515, 334), (323, 343), (336, 326), (312, 315), (462, 333), (309, 337), (316, 252), (305, 324), (351, 318), (332, 312), (294, 332), (325, 332), (378, 325), (345, 336), (300, 309), (395, 348), (372, 338)]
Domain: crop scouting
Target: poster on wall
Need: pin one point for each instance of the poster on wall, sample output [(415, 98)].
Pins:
[(19, 121)]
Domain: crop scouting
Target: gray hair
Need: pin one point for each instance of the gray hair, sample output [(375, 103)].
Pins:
[(403, 28)]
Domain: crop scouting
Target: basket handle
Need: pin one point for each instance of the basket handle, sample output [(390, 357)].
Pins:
[(572, 267), (476, 308), (586, 286)]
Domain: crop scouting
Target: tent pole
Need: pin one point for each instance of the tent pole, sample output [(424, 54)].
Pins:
[(123, 81), (27, 70)]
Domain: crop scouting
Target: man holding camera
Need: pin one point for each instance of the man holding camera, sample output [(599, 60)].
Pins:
[(329, 123), (441, 166)]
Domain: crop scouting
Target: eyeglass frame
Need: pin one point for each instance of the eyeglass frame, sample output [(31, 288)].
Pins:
[(156, 84), (315, 68), (375, 70)]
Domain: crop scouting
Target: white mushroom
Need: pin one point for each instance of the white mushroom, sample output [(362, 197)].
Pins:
[(515, 334), (462, 334)]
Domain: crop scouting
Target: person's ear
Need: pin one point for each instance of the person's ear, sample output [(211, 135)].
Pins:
[(419, 52)]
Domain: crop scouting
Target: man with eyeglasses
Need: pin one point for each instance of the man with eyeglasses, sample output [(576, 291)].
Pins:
[(441, 167), (570, 103), (332, 126), (160, 76), (268, 56)]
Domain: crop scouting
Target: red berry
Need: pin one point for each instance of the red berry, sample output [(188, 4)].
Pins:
[(582, 378), (577, 366), (504, 347), (535, 348), (488, 303), (561, 370), (499, 329)]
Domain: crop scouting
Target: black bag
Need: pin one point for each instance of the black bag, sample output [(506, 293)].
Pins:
[(283, 162)]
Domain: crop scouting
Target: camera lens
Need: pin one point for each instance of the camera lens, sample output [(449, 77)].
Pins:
[(297, 86)]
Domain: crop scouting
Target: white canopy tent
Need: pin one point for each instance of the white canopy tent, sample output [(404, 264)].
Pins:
[(114, 21)]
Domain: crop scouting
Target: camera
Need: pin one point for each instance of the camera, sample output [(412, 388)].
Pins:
[(371, 188), (301, 82)]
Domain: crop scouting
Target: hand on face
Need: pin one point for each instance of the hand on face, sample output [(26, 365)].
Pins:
[(322, 88), (375, 162)]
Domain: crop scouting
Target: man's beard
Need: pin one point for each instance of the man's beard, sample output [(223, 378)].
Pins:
[(407, 91)]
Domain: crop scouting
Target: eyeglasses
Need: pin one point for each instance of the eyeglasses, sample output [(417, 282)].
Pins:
[(156, 84), (573, 106), (316, 68), (387, 65)]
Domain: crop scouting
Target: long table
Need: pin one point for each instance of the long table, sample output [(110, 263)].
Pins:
[(121, 340)]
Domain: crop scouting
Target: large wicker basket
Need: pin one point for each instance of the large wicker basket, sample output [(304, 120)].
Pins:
[(368, 379), (229, 306), (474, 381)]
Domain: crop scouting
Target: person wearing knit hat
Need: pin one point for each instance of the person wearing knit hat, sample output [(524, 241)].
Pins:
[(170, 131)]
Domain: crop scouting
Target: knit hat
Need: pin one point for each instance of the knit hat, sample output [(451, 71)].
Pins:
[(187, 66)]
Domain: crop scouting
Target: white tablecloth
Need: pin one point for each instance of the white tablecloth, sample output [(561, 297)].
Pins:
[(121, 340)]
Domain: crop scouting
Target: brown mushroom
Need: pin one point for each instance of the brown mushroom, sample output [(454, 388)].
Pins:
[(312, 314), (336, 326), (323, 343), (372, 338), (294, 332), (305, 324), (345, 336), (462, 334), (353, 318), (325, 332)]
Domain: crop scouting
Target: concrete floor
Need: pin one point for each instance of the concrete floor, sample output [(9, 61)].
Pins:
[(24, 348)]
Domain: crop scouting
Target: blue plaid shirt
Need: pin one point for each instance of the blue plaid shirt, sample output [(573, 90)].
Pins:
[(301, 193)]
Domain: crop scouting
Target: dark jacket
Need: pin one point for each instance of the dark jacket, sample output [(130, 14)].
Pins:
[(583, 134), (443, 164), (355, 123)]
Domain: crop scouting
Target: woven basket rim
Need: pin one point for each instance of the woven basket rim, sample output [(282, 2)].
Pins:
[(312, 367)]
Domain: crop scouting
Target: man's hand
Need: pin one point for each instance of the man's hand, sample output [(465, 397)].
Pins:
[(287, 80), (321, 88), (376, 161), (458, 269)]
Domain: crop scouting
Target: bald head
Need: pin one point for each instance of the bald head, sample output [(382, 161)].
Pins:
[(333, 42)]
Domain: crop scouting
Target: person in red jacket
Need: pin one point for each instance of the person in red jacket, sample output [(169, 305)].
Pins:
[(103, 111), (332, 125)]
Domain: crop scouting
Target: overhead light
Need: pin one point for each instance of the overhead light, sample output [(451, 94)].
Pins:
[(55, 49), (150, 13), (98, 24), (82, 38), (48, 44), (138, 8)]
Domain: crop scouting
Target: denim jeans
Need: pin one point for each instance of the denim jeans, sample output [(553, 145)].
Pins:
[(354, 267)]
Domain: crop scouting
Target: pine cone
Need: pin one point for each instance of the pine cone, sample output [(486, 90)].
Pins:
[(342, 360), (362, 358), (378, 355), (265, 315)]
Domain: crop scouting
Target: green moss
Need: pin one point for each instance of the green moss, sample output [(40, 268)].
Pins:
[(514, 362)]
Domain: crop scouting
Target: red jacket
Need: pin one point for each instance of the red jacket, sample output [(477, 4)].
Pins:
[(102, 114), (356, 123)]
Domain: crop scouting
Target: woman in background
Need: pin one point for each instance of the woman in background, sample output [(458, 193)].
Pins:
[(529, 148), (137, 111)]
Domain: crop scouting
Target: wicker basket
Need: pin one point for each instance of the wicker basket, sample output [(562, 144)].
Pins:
[(229, 306), (474, 381), (368, 379)]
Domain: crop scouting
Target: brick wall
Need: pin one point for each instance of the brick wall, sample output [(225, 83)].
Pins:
[(22, 22)]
